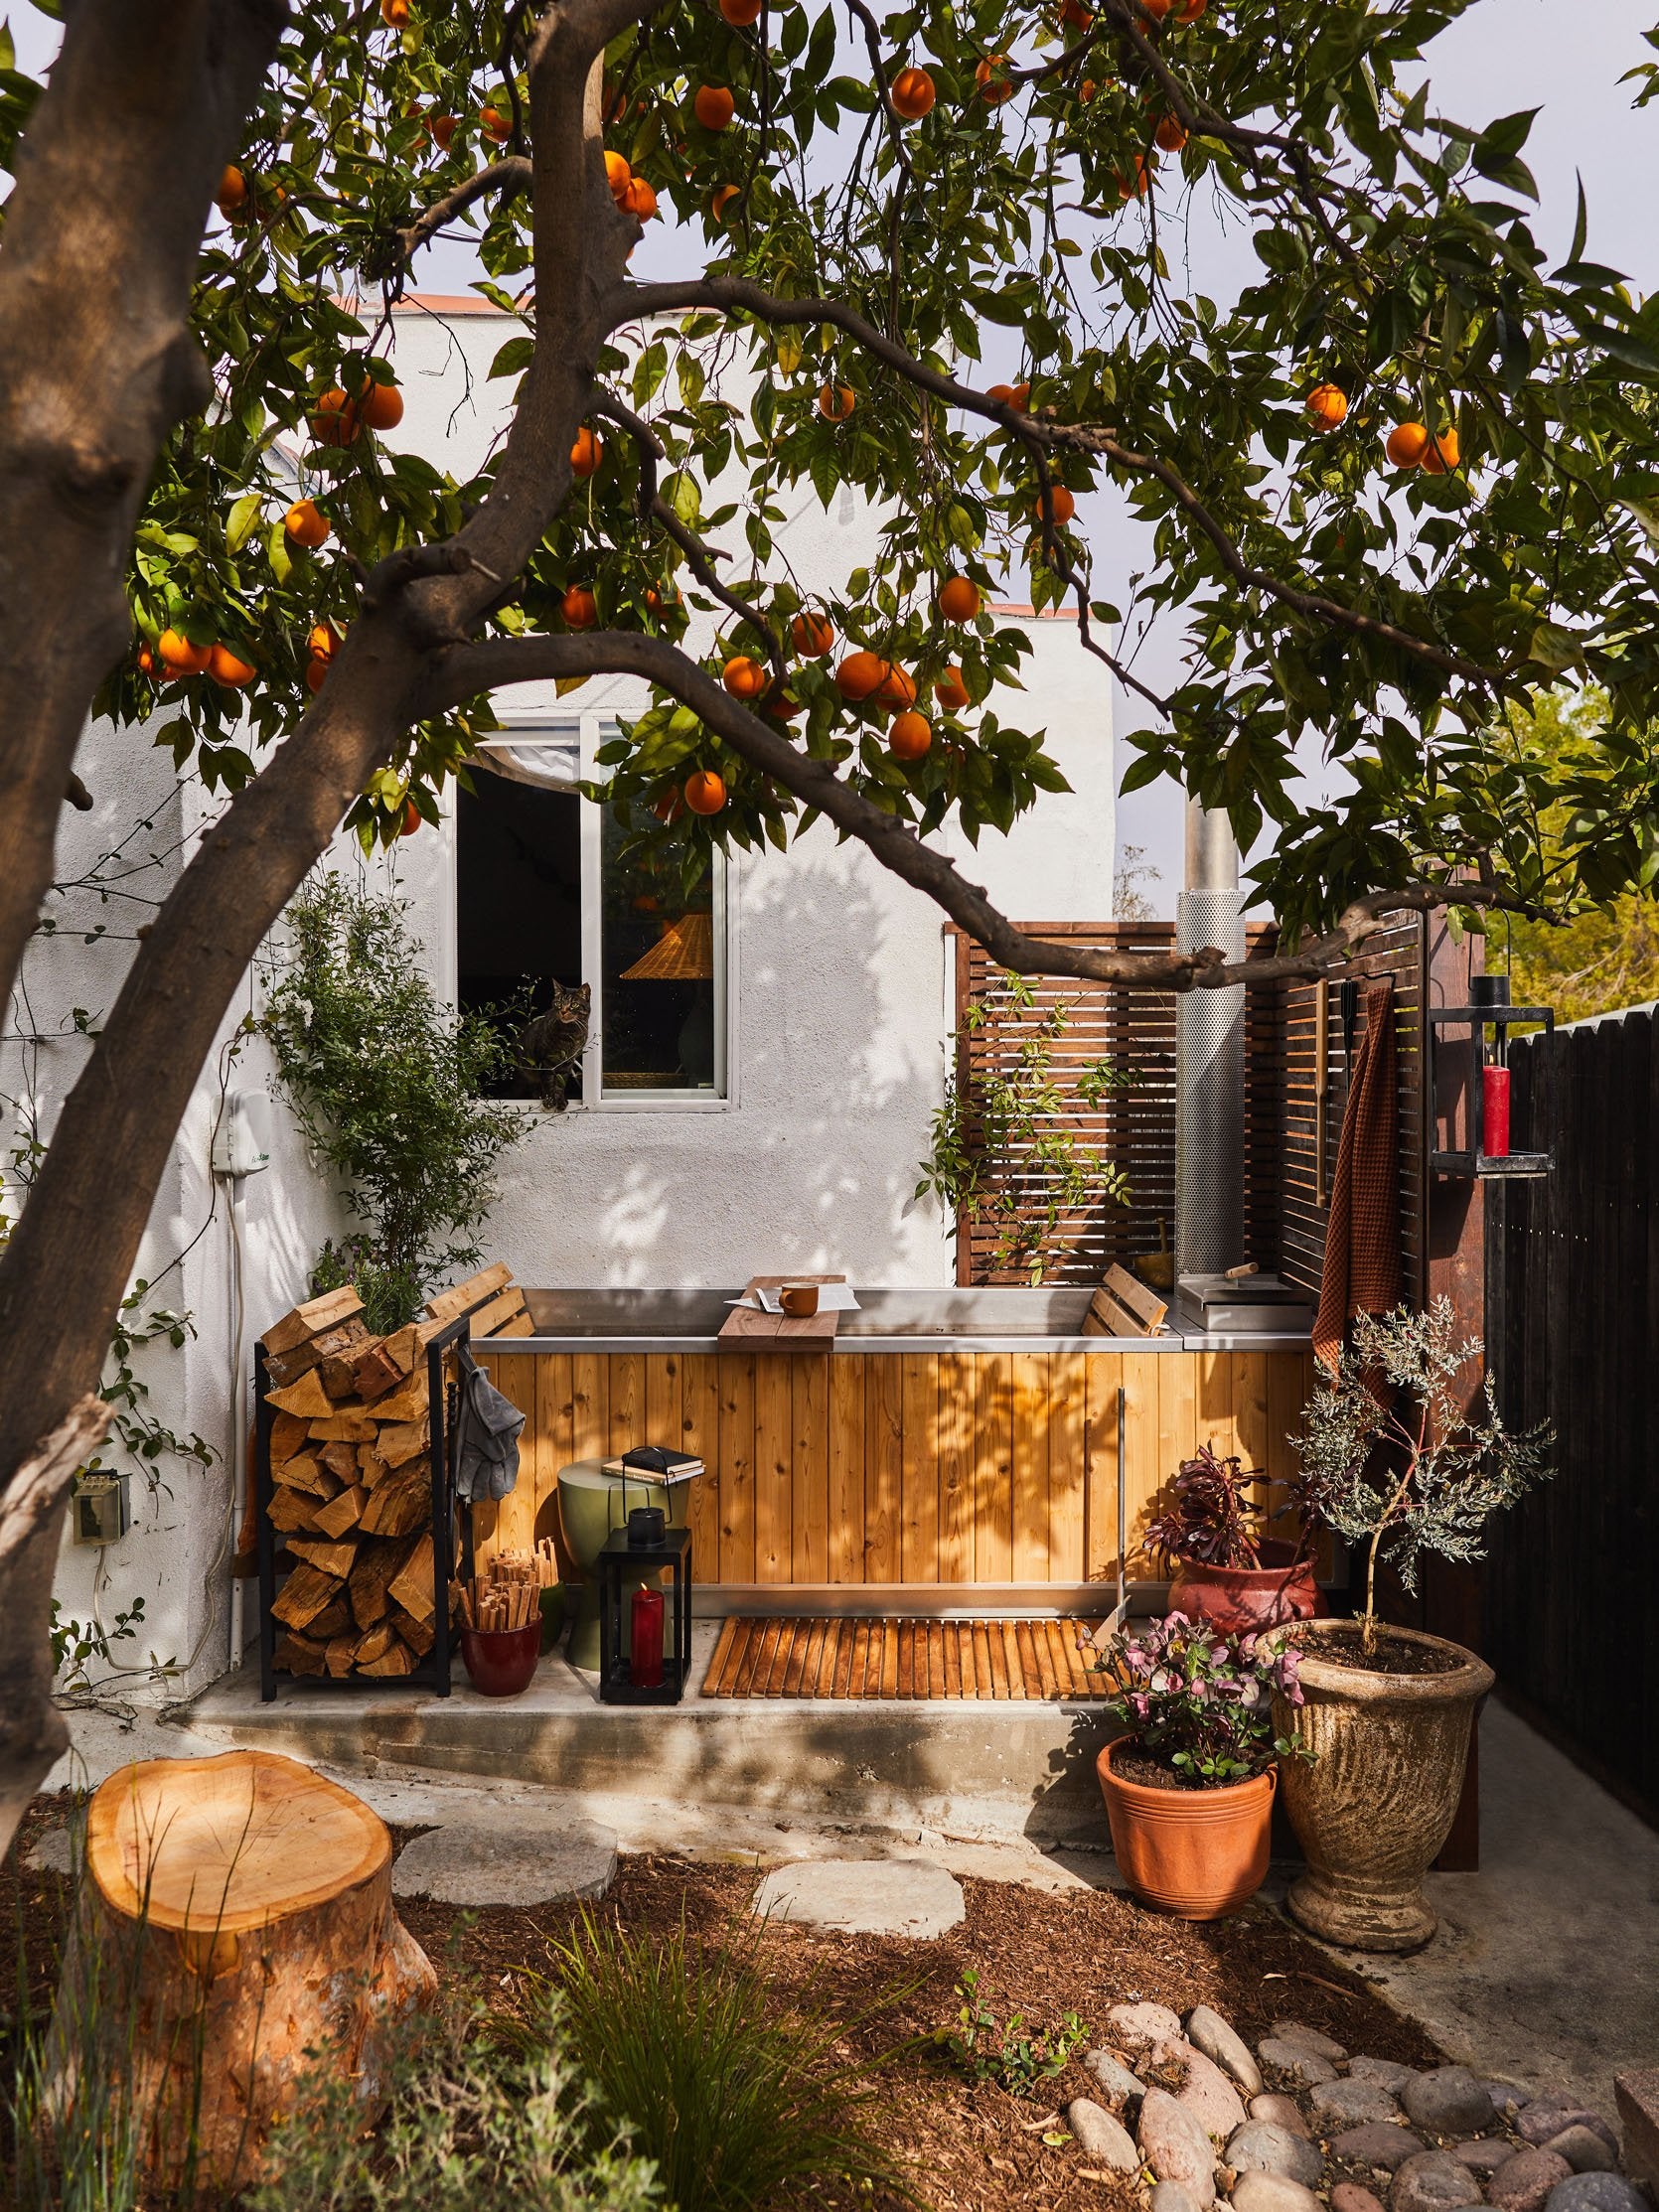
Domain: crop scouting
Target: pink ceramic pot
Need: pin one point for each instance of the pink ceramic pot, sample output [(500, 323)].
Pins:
[(1238, 1599)]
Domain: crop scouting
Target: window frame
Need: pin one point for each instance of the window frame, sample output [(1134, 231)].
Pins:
[(591, 730)]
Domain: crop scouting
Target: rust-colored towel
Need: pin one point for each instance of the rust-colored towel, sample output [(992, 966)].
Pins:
[(1362, 1238)]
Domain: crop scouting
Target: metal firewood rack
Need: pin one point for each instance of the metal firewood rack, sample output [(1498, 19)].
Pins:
[(443, 1394)]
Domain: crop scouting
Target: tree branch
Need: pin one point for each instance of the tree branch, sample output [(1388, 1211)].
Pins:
[(512, 175), (467, 671), (1040, 432)]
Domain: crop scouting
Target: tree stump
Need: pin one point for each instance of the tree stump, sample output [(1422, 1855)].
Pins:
[(235, 1930)]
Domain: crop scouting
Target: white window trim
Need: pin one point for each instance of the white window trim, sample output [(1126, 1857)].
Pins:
[(591, 731)]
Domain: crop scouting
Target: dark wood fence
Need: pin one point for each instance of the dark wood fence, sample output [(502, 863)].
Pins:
[(1572, 1336)]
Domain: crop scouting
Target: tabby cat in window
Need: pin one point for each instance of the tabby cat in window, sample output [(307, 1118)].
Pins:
[(550, 1049)]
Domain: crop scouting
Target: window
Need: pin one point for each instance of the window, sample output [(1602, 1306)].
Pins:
[(553, 894)]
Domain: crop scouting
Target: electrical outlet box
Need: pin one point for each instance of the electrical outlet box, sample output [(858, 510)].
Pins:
[(100, 1509), (242, 1134)]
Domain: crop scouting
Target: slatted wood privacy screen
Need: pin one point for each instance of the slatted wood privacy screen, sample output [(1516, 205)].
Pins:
[(885, 1467), (1398, 952), (1134, 1130)]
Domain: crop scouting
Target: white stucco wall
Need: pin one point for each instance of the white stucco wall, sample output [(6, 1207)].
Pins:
[(840, 995)]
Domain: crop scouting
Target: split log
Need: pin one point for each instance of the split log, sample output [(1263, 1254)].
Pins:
[(302, 1598), (295, 1508), (377, 1568), (345, 1424), (325, 1554), (300, 1655), (307, 1398), (402, 1440), (339, 1653), (399, 1659), (341, 1460), (333, 1620), (235, 1930), (400, 1506), (343, 1513), (420, 1636), (288, 1437), (312, 1319), (411, 1587), (408, 1402)]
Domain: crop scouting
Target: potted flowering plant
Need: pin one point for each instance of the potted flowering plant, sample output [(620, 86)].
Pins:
[(1398, 1456), (1225, 1567), (1189, 1787)]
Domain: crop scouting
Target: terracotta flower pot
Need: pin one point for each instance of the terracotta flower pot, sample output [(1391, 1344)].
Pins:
[(1377, 1801), (1196, 1853), (1240, 1599), (501, 1662)]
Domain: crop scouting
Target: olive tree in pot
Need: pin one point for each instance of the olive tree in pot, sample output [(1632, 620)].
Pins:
[(1224, 1567), (1394, 1458)]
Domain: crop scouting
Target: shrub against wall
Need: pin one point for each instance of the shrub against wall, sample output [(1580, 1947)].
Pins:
[(386, 1082)]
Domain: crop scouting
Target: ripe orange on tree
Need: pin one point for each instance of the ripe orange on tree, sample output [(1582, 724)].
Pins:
[(322, 641), (1328, 405), (316, 674), (179, 657), (1440, 455), (721, 198), (232, 196), (1407, 443), (706, 792), (1138, 182), (617, 175), (146, 662), (1190, 10), (411, 819), (740, 13), (333, 419), (1076, 16), (781, 705), (910, 735), (1156, 9), (587, 452), (959, 599), (913, 94), (835, 402), (396, 13), (713, 106), (229, 668), (812, 635), (1017, 397), (992, 76), (442, 128), (495, 126), (859, 674), (743, 677), (579, 607), (380, 406), (1061, 505), (950, 691), (1170, 135), (306, 524), (639, 200), (897, 688)]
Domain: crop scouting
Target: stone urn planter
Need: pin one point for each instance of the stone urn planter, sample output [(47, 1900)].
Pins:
[(1243, 1599), (1378, 1800)]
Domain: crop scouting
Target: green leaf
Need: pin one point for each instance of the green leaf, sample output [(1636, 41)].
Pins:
[(243, 515)]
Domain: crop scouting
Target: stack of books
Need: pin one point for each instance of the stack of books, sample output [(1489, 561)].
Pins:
[(654, 1463)]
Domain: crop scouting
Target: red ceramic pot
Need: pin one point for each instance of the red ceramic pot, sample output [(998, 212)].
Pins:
[(501, 1662), (1238, 1599), (1196, 1853)]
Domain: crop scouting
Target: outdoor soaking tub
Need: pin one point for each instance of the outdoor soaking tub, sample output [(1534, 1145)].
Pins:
[(952, 1444)]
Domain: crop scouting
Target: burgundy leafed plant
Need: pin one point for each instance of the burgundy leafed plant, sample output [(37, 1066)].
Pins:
[(1211, 1521)]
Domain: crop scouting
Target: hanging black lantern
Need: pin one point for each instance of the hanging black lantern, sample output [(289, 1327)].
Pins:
[(1488, 1019)]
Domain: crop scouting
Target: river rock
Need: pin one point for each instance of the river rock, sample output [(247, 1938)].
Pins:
[(1208, 2032), (1507, 2097), (1293, 2059), (1349, 2196), (1545, 2116), (1169, 2196), (1525, 2179), (1433, 2181), (1387, 2073), (1175, 2147), (1448, 2101), (1311, 2039), (1103, 2142), (1584, 2149), (1263, 2146), (1351, 2104), (1273, 2192), (1205, 2090), (1486, 2156), (1595, 2192), (1118, 2084), (1142, 2027), (1284, 2112), (1378, 2145)]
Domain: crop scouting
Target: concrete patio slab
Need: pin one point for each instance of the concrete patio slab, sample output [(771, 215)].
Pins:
[(507, 1860), (896, 1897)]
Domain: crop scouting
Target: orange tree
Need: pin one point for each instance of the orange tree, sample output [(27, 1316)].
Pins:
[(1400, 484)]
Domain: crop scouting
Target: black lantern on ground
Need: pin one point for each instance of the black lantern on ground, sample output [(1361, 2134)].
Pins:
[(648, 1662), (1488, 1018)]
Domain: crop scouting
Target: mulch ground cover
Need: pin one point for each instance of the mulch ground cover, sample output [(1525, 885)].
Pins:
[(969, 2148)]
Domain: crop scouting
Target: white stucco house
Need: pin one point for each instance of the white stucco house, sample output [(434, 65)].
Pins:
[(787, 1134)]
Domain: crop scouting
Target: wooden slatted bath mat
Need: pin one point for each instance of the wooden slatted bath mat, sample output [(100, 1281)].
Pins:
[(758, 1657)]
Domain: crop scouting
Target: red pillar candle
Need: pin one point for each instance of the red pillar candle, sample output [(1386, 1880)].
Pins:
[(646, 1639), (1494, 1108)]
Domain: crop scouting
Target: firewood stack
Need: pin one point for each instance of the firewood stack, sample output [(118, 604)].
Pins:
[(351, 1466)]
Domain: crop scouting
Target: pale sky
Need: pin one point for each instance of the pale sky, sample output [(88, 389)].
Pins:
[(1564, 57)]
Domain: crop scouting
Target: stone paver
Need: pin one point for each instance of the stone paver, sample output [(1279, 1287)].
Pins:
[(864, 1896), (479, 1862)]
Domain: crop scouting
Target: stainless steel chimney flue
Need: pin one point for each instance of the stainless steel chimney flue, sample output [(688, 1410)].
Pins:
[(1209, 1058)]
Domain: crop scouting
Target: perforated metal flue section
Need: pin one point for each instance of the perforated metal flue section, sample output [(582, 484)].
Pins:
[(1210, 1112)]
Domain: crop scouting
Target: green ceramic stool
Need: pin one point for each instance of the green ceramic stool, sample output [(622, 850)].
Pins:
[(592, 1504)]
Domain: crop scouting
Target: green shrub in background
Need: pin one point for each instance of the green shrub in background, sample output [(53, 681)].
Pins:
[(386, 1082), (740, 2096)]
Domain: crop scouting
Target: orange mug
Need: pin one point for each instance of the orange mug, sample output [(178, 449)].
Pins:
[(799, 1301)]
